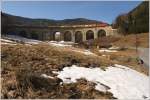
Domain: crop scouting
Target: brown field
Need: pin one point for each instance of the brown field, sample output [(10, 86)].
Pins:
[(22, 65), (130, 40)]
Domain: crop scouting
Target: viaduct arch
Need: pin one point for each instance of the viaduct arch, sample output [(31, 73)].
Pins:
[(67, 36), (101, 33), (78, 37), (89, 35)]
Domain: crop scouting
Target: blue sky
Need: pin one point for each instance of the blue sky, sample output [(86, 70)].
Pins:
[(105, 11)]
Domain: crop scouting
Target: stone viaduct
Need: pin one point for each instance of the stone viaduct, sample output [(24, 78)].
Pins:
[(74, 33)]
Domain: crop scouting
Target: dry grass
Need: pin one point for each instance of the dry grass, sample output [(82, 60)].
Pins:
[(130, 40), (128, 58), (24, 64)]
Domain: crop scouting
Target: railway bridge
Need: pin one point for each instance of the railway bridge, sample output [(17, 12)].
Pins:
[(74, 33)]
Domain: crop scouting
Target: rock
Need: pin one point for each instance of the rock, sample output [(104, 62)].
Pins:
[(3, 56), (60, 67), (19, 97), (58, 81), (74, 61), (68, 64)]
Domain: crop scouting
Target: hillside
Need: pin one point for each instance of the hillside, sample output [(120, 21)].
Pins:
[(56, 70), (11, 19), (136, 21), (130, 40)]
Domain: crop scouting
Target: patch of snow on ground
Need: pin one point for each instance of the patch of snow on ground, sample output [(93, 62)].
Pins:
[(5, 40), (22, 39), (62, 41), (59, 44), (66, 42), (103, 55), (122, 81), (8, 43), (106, 50), (46, 76), (52, 41), (114, 48), (69, 44), (86, 52)]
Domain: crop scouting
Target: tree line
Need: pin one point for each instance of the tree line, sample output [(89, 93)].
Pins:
[(136, 21)]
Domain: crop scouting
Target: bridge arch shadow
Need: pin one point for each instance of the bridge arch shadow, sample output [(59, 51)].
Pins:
[(78, 37), (34, 35), (23, 33), (67, 36), (101, 33), (89, 35)]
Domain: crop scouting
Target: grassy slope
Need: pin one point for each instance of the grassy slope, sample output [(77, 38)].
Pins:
[(130, 40), (125, 57), (22, 64)]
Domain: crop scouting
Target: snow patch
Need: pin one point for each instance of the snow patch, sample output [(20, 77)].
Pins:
[(5, 40), (7, 43), (59, 44), (106, 50), (62, 41), (114, 48), (22, 39), (46, 76), (123, 82), (86, 52)]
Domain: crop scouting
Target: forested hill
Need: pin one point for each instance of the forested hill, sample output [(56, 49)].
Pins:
[(136, 21), (11, 19)]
